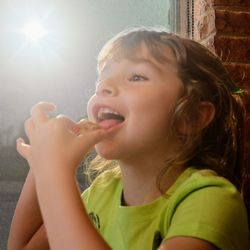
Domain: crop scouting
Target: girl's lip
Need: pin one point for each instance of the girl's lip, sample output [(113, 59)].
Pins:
[(109, 126), (96, 109)]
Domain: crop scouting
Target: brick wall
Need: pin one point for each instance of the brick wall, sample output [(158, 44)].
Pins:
[(232, 39), (204, 29), (224, 27)]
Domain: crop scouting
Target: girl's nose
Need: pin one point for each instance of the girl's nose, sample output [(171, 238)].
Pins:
[(104, 89)]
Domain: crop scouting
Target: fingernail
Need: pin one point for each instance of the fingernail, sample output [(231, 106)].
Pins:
[(18, 141)]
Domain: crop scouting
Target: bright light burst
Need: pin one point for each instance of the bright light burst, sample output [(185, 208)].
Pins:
[(34, 31)]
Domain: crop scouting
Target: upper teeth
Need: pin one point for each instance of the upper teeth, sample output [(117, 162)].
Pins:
[(105, 111)]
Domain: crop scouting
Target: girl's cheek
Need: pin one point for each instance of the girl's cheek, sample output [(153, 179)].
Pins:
[(89, 107)]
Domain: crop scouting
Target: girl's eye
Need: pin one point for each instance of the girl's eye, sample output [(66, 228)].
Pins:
[(136, 77)]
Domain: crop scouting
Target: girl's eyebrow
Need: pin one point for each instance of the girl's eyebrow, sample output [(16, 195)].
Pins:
[(148, 61), (141, 60)]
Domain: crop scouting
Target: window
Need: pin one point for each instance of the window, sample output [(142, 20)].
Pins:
[(115, 15)]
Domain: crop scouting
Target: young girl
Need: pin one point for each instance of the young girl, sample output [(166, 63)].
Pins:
[(165, 110)]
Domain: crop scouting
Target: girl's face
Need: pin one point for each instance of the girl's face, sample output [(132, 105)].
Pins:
[(134, 100)]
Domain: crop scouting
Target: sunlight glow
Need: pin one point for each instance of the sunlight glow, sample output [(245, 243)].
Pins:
[(34, 31)]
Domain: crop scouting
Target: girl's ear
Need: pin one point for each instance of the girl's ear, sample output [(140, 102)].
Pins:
[(205, 117), (189, 126), (207, 113)]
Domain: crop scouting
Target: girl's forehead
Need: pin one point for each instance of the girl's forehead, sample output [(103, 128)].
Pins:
[(142, 54), (150, 52)]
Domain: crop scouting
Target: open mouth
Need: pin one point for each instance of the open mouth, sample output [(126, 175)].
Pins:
[(107, 118)]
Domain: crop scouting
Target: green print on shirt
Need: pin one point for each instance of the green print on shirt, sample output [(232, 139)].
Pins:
[(95, 219), (157, 236)]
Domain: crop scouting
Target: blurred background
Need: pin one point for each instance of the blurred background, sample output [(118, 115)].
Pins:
[(48, 51)]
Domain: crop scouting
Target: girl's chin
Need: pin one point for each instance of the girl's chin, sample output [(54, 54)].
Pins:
[(108, 153), (104, 153)]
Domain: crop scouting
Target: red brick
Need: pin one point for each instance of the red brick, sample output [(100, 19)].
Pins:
[(233, 49), (232, 2), (232, 22)]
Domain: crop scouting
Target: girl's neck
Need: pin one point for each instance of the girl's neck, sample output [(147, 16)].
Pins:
[(140, 181)]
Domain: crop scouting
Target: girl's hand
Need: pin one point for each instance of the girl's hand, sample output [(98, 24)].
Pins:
[(56, 142), (56, 146)]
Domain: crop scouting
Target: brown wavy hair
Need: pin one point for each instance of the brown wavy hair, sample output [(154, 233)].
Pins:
[(204, 78)]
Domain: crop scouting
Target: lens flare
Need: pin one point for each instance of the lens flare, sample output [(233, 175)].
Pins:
[(34, 31)]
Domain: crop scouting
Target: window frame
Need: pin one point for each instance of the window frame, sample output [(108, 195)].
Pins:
[(181, 17)]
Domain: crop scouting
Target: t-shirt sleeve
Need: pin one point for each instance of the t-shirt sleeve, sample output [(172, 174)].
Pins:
[(215, 214)]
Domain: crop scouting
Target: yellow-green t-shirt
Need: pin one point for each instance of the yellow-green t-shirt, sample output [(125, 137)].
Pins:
[(199, 204)]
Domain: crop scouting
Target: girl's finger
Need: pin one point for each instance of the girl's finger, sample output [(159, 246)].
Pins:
[(40, 110), (22, 148), (29, 127), (87, 125), (90, 136), (67, 123)]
